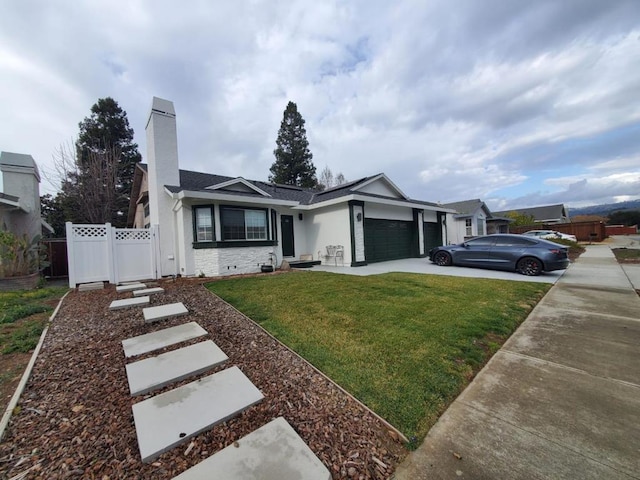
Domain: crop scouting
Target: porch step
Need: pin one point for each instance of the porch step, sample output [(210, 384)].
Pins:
[(304, 263), (153, 314), (147, 291), (162, 338), (86, 287), (130, 287), (273, 452), (156, 372), (128, 303), (173, 417)]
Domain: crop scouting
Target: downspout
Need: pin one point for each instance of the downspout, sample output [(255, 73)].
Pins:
[(176, 255)]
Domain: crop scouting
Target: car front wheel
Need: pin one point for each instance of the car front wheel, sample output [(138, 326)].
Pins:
[(529, 266), (442, 258)]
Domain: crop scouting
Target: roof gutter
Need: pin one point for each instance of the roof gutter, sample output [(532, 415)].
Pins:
[(383, 201)]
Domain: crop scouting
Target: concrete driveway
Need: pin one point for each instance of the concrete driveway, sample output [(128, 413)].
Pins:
[(423, 265)]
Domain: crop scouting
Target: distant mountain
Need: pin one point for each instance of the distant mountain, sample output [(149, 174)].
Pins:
[(605, 209)]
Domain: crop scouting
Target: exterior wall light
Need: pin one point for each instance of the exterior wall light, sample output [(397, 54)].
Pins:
[(359, 216)]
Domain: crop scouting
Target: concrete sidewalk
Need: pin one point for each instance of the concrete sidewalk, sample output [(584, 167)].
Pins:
[(561, 399)]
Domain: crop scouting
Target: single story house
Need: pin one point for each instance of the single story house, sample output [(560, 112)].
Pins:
[(216, 225), (473, 218), (20, 197), (548, 214)]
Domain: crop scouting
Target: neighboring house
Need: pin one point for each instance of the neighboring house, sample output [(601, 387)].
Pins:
[(20, 197), (216, 225), (547, 214), (473, 218)]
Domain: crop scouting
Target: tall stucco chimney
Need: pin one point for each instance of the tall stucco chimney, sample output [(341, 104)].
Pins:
[(21, 179), (163, 169)]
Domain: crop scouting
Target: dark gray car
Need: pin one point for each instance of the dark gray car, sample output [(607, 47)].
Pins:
[(526, 255)]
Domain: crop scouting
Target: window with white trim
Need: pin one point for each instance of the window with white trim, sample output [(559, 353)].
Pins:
[(203, 224), (481, 226), (468, 227), (243, 223)]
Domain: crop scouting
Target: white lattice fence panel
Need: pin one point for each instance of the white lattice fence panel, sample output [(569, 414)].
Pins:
[(102, 253), (89, 233), (88, 253), (134, 254), (133, 234)]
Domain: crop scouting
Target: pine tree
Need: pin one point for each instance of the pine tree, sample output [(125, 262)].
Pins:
[(104, 134), (96, 173), (293, 165)]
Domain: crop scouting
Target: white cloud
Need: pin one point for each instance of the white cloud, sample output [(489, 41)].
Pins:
[(452, 101)]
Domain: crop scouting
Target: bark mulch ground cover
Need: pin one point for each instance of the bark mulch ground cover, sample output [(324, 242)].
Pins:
[(74, 418)]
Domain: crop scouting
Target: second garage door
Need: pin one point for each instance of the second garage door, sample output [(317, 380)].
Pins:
[(387, 240)]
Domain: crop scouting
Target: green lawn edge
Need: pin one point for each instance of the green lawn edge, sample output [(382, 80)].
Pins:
[(404, 344)]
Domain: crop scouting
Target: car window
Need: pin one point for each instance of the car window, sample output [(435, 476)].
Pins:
[(480, 242), (514, 242)]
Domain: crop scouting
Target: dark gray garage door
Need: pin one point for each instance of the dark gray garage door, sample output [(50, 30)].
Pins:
[(432, 235), (387, 240)]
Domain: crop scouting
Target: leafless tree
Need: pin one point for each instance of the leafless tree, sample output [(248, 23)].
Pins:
[(327, 180), (88, 188)]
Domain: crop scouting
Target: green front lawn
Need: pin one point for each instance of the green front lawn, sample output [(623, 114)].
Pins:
[(404, 344), (23, 316)]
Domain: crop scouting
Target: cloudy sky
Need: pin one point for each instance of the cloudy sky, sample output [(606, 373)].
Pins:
[(517, 102)]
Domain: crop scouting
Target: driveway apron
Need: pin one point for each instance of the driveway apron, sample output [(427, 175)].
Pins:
[(561, 399)]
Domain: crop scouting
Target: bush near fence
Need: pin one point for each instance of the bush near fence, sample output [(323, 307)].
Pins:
[(584, 231)]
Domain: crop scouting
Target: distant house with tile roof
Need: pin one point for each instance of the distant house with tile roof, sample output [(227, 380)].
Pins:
[(217, 225), (473, 218), (547, 214)]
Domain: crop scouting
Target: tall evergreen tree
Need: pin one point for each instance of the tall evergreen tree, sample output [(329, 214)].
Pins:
[(293, 165), (105, 133)]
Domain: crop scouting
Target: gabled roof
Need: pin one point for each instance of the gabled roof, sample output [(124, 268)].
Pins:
[(244, 186), (540, 214), (468, 208), (206, 185)]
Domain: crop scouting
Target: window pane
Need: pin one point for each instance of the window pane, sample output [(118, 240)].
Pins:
[(256, 221), (233, 224), (481, 242), (204, 225)]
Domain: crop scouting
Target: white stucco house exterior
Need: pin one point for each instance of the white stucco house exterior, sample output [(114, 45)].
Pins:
[(473, 218), (218, 225), (20, 196)]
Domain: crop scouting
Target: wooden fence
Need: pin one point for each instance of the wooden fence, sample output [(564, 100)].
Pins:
[(621, 230), (584, 231)]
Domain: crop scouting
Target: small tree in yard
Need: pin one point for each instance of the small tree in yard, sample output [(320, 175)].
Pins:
[(520, 219), (293, 165)]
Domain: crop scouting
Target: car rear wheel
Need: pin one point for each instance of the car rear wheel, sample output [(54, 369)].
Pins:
[(529, 266), (442, 258)]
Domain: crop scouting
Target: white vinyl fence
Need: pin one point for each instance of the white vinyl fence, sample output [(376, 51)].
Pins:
[(105, 253)]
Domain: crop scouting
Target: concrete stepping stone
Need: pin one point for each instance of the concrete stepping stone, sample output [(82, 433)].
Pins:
[(128, 303), (130, 287), (156, 372), (162, 338), (173, 417), (273, 452), (153, 314), (86, 287), (147, 291)]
